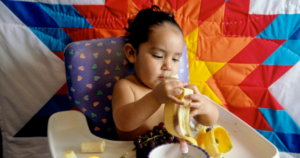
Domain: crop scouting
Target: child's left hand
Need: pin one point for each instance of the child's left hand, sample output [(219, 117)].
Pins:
[(200, 105)]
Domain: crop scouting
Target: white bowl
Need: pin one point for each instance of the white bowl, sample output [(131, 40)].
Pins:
[(172, 151)]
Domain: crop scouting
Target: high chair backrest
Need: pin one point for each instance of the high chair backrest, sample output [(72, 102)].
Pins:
[(92, 69)]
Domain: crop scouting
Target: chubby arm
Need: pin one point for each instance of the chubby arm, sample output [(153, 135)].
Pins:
[(129, 114)]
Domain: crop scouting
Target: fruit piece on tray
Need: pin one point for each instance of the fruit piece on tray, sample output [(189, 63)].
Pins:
[(69, 154), (215, 141), (95, 156), (93, 146)]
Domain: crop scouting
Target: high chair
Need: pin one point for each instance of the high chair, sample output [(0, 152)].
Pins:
[(92, 69)]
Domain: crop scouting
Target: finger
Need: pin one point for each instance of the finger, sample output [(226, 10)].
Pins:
[(193, 87), (194, 97), (176, 100), (176, 92), (195, 104), (183, 146)]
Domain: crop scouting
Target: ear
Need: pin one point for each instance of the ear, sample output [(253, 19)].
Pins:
[(130, 52)]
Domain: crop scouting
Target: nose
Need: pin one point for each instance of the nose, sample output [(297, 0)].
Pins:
[(167, 65)]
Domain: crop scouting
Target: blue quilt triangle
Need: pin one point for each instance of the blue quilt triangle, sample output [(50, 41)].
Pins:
[(280, 121), (30, 13), (293, 45), (54, 38), (274, 139), (282, 56), (291, 141), (296, 35), (65, 16), (285, 25)]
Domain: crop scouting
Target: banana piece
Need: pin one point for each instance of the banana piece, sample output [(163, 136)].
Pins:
[(69, 154), (95, 156), (210, 145), (207, 140), (199, 137), (93, 146), (183, 116)]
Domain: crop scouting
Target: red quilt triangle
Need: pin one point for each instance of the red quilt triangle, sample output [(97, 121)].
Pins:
[(82, 34), (176, 4), (262, 97), (208, 8), (112, 15), (256, 52), (265, 75), (143, 4), (252, 116), (60, 55), (236, 11), (116, 7), (75, 108), (248, 26), (63, 89)]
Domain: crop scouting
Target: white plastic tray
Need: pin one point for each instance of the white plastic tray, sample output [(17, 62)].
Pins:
[(67, 129)]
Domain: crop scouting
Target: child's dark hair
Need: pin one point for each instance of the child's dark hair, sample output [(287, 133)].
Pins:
[(139, 29)]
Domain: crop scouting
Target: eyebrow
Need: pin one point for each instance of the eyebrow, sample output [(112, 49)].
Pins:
[(164, 51)]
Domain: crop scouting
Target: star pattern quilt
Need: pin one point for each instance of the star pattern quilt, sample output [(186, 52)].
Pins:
[(243, 54)]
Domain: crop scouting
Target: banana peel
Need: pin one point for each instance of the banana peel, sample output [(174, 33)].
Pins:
[(183, 116), (199, 137), (208, 141), (203, 139)]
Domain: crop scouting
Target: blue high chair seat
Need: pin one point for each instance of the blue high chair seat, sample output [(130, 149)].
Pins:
[(92, 69)]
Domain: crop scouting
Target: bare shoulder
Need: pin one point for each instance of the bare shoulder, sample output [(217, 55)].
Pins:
[(123, 92), (126, 83)]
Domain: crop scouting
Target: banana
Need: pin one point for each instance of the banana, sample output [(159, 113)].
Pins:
[(95, 156), (69, 154), (216, 141), (207, 140), (93, 146), (183, 116)]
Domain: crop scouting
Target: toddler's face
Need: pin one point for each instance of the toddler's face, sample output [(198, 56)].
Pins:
[(160, 55)]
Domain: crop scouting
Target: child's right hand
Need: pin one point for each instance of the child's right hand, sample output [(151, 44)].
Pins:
[(167, 89)]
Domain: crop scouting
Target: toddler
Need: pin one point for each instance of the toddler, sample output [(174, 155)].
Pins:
[(155, 44)]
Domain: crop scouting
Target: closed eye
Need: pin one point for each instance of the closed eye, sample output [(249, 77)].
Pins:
[(159, 57), (175, 59)]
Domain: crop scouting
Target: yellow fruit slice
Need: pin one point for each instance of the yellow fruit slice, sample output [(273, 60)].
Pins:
[(69, 154), (208, 141), (199, 137), (183, 117), (223, 138), (210, 144), (95, 156)]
